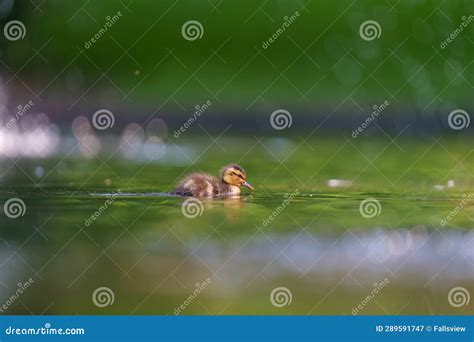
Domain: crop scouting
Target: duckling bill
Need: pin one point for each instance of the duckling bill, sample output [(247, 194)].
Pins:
[(232, 177)]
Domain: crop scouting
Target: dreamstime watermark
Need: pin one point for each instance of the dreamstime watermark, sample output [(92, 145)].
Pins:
[(110, 21), (288, 21), (46, 330), (280, 208), (459, 119), (281, 296), (377, 288), (103, 119), (14, 30), (103, 296), (377, 110), (192, 30), (14, 208), (281, 119), (21, 110), (199, 111), (21, 287), (370, 208), (102, 208), (458, 297), (200, 287), (370, 30), (464, 202), (465, 21), (192, 208)]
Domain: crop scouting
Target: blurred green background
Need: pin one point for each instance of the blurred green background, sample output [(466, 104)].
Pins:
[(318, 65)]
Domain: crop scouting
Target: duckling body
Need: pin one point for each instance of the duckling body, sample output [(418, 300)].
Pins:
[(205, 185)]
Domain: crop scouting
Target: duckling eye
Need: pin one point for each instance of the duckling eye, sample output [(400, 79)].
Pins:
[(238, 175)]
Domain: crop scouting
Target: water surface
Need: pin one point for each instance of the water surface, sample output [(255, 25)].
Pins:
[(318, 244)]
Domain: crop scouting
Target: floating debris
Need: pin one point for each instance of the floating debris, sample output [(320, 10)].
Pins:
[(339, 183)]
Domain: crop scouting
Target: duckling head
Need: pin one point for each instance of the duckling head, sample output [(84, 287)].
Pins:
[(234, 175)]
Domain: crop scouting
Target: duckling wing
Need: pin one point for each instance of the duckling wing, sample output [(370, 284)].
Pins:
[(198, 185)]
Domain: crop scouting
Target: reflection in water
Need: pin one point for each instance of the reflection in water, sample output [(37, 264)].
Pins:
[(152, 266), (415, 255)]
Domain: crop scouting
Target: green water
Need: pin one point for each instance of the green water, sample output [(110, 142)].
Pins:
[(318, 244)]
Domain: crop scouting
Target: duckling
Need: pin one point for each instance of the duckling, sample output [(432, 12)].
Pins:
[(232, 177)]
